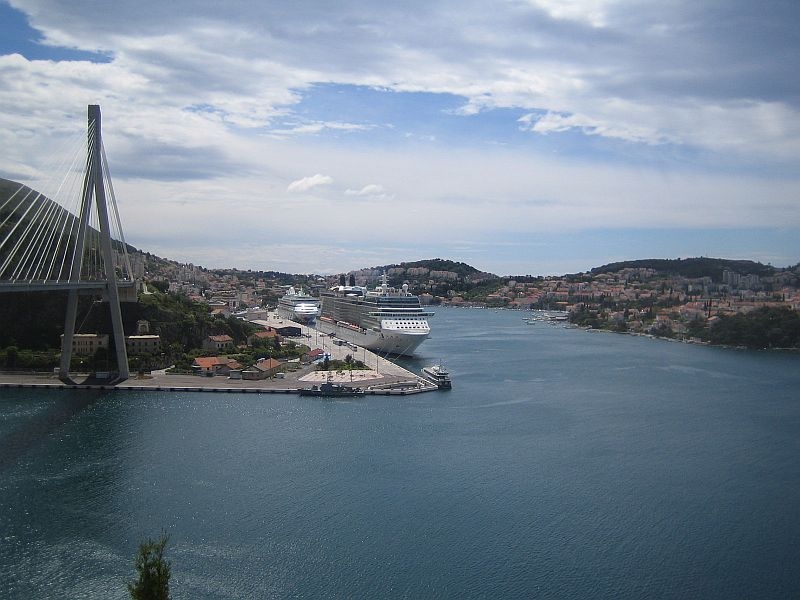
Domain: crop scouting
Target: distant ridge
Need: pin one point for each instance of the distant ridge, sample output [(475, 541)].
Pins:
[(691, 267)]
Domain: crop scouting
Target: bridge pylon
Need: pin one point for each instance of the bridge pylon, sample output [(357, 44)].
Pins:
[(94, 198)]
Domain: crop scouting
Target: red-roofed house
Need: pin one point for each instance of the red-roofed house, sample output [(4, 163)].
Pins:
[(218, 342), (262, 336), (266, 367), (214, 365)]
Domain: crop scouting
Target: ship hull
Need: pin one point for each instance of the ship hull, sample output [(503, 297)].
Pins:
[(384, 342), (304, 313)]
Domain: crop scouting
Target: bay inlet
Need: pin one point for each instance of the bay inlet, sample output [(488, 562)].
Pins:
[(563, 464)]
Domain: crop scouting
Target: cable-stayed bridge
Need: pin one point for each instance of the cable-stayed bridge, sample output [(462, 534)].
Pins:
[(70, 241)]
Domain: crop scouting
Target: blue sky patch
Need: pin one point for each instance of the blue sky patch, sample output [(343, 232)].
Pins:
[(18, 37)]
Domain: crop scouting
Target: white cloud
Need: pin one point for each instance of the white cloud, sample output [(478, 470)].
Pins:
[(317, 127), (556, 123), (307, 183), (589, 11), (372, 189)]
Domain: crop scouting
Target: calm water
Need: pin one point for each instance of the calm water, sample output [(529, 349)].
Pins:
[(563, 464)]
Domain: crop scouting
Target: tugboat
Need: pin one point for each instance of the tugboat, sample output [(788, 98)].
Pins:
[(439, 375), (331, 390)]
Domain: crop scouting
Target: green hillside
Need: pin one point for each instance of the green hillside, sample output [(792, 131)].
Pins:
[(691, 267)]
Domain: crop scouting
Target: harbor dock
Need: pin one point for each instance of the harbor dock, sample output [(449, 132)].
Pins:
[(383, 377)]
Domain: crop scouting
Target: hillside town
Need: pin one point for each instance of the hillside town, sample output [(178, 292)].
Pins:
[(638, 299), (646, 301)]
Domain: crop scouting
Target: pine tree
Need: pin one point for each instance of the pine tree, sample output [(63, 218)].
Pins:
[(154, 572)]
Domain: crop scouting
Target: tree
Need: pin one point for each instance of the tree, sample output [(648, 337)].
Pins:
[(11, 356), (766, 327), (154, 572), (99, 360), (161, 286)]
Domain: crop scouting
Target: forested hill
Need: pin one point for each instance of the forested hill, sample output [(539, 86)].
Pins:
[(20, 204), (463, 270), (7, 187), (691, 267)]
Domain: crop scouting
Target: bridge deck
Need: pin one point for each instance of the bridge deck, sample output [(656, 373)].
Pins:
[(51, 286)]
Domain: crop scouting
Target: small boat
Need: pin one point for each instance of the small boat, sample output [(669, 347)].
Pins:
[(548, 317), (439, 375), (331, 390)]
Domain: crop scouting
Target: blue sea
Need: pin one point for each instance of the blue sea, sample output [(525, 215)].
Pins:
[(563, 464)]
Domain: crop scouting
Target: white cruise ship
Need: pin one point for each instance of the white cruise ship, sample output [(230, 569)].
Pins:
[(384, 320), (298, 306)]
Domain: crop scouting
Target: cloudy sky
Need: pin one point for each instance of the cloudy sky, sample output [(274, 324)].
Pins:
[(521, 136)]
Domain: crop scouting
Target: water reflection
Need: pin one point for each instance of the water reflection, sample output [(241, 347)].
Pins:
[(31, 431)]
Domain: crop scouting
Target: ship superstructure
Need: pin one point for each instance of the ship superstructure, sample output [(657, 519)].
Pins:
[(385, 320)]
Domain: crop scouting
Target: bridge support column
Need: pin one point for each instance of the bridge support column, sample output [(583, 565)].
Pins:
[(69, 333), (93, 185)]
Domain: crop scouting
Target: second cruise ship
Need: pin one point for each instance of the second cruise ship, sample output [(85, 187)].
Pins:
[(298, 306)]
